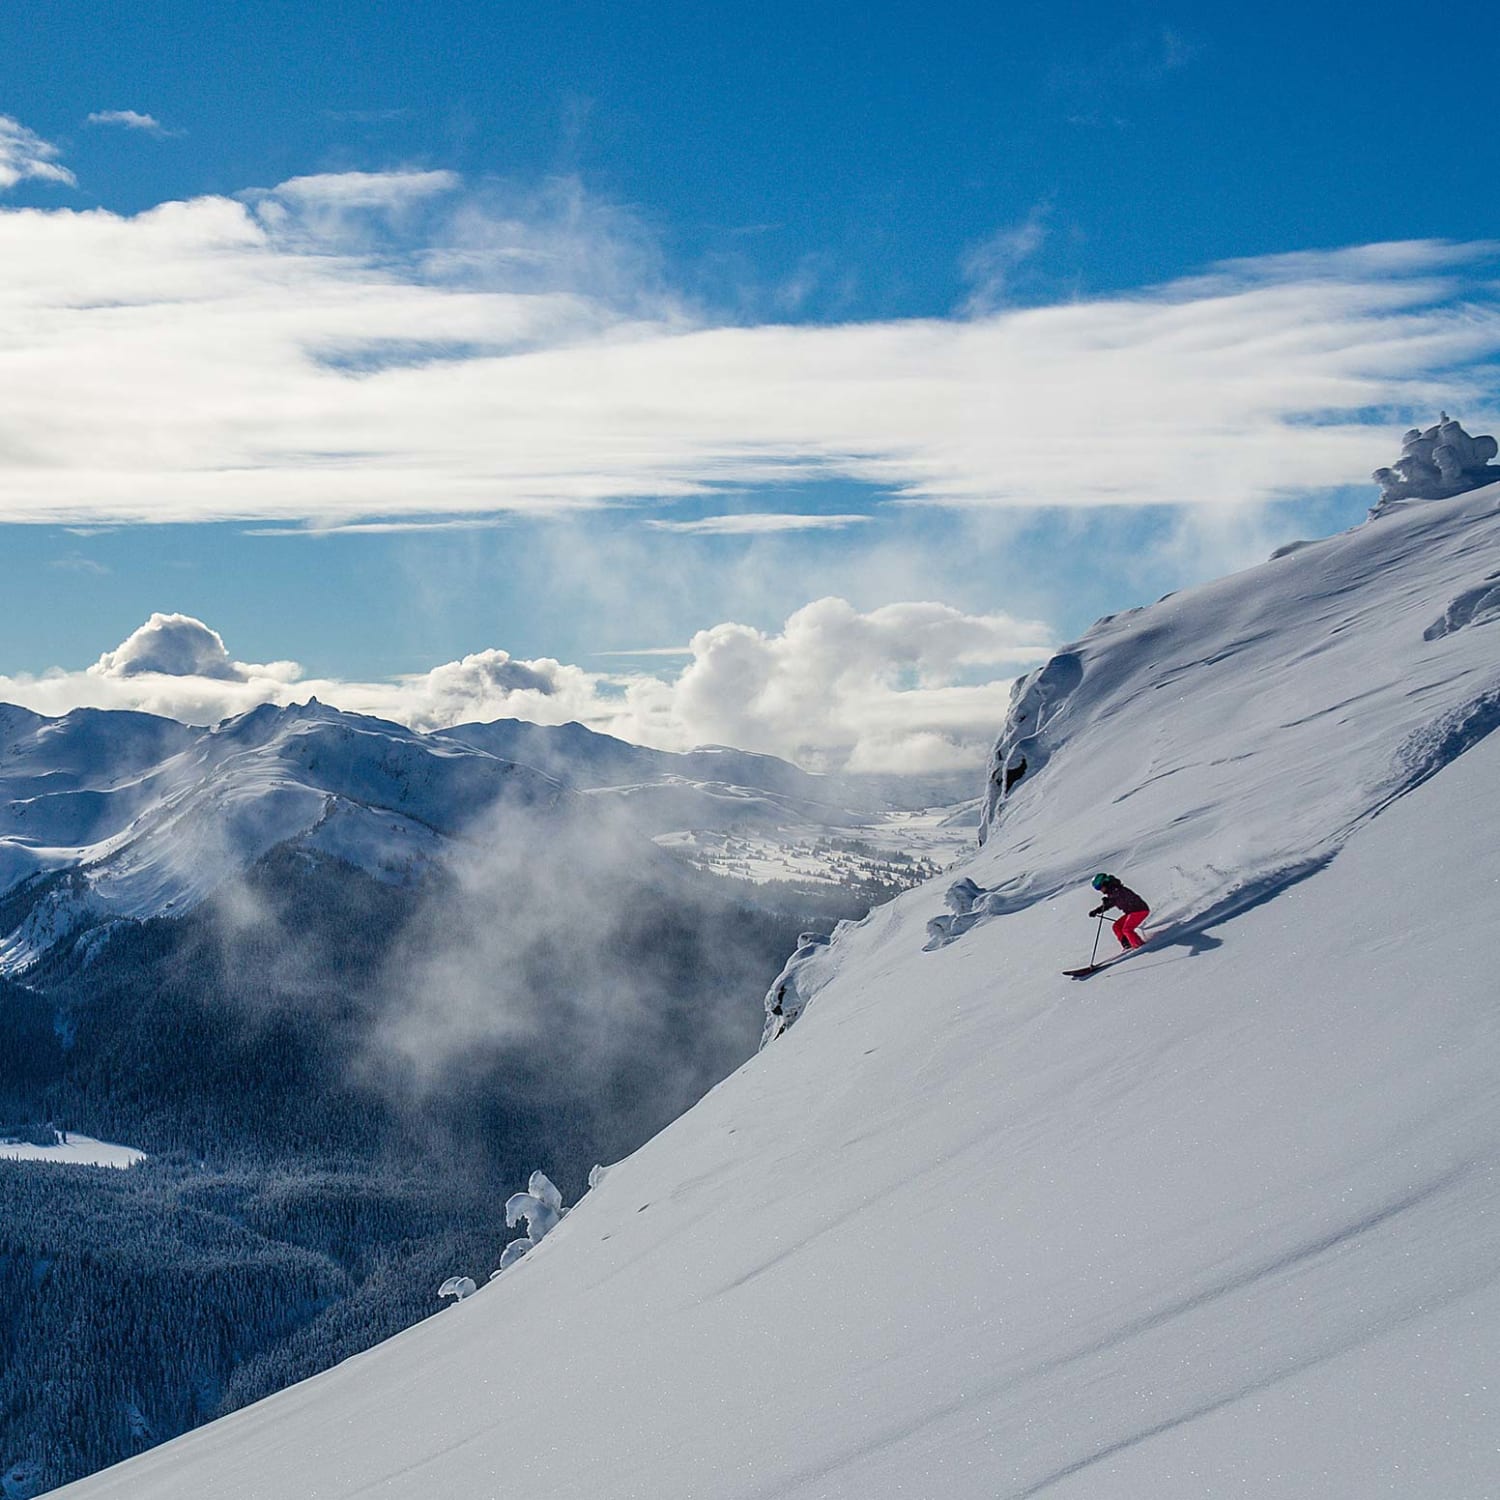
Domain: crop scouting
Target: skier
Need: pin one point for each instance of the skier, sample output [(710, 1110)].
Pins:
[(1133, 911)]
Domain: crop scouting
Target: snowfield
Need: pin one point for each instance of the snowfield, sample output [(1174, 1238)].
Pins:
[(1223, 1220), (75, 1151), (898, 845)]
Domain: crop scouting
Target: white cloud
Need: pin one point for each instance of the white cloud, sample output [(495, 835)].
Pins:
[(384, 528), (991, 266), (128, 119), (390, 348), (651, 651), (25, 154), (883, 690), (839, 688), (363, 189), (76, 564), (172, 646), (758, 523)]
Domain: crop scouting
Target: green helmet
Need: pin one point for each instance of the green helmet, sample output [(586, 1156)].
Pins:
[(1100, 881)]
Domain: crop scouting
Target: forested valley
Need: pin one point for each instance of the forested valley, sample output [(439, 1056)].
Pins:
[(313, 1170)]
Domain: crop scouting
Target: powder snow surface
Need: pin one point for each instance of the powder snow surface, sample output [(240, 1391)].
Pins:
[(1221, 1221)]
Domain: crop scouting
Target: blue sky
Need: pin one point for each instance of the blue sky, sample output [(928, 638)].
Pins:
[(585, 286)]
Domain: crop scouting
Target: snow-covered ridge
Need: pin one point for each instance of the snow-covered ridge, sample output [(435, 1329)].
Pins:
[(111, 815), (1190, 732), (1221, 1221), (106, 816)]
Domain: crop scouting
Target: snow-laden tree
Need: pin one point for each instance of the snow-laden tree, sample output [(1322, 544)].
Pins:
[(541, 1206), (1442, 461)]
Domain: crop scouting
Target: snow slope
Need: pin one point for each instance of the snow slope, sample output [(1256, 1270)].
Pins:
[(1221, 1221), (1230, 739)]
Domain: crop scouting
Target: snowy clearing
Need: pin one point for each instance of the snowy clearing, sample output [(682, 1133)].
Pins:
[(900, 848), (74, 1151)]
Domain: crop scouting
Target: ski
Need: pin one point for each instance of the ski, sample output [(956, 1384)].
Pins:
[(1107, 963)]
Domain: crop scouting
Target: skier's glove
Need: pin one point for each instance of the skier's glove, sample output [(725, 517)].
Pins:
[(1098, 911)]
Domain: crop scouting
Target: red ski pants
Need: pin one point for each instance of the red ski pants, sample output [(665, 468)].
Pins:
[(1125, 929)]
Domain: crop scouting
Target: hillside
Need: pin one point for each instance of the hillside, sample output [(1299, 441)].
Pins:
[(340, 983), (1221, 1220)]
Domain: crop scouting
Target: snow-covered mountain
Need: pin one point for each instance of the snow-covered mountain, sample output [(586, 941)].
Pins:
[(110, 815), (753, 816), (1221, 1220)]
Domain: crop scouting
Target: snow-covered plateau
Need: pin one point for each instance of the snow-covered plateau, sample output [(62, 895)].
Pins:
[(1222, 1220)]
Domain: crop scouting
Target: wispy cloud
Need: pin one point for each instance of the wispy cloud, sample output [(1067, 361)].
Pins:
[(130, 119), (651, 651), (367, 116), (757, 523), (889, 689), (358, 189), (1143, 58), (385, 528), (24, 154), (406, 351), (991, 266)]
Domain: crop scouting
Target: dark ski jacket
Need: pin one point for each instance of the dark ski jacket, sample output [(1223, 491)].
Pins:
[(1121, 896)]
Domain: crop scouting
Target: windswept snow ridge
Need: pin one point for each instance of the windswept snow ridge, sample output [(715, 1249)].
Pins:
[(1225, 1221), (1231, 738)]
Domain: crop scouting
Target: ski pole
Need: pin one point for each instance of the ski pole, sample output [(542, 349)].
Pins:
[(1097, 931)]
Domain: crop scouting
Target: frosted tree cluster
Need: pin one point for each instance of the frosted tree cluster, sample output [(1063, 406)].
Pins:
[(541, 1206), (1442, 461)]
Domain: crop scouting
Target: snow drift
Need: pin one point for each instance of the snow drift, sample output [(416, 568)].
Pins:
[(1220, 1221)]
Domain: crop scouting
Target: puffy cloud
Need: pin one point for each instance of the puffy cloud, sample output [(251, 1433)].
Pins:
[(868, 691), (888, 690), (25, 154), (405, 348), (173, 646), (489, 684)]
